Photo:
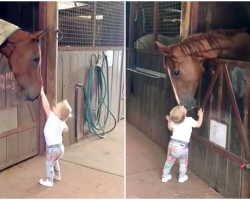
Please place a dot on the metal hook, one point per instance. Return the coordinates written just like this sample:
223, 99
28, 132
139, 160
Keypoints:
97, 58
59, 31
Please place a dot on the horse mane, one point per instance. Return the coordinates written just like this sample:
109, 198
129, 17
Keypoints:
193, 44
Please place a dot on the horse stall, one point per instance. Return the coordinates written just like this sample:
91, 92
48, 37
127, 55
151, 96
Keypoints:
221, 145
20, 138
86, 31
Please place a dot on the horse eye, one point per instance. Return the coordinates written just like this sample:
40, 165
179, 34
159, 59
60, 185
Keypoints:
176, 73
35, 59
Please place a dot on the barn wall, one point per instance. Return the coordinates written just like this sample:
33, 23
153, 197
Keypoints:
73, 68
148, 99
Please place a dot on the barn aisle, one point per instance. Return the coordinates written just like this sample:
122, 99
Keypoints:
92, 169
144, 162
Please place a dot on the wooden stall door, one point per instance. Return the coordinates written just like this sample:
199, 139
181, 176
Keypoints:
18, 119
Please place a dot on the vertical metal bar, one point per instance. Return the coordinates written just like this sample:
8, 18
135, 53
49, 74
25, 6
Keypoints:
155, 25
121, 86
237, 114
76, 111
94, 28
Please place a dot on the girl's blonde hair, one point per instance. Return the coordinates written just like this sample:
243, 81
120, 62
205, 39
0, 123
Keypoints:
65, 110
177, 115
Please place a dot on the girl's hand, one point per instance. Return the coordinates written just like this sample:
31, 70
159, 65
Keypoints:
200, 113
42, 91
168, 118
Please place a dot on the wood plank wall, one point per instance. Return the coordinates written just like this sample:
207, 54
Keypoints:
148, 99
73, 68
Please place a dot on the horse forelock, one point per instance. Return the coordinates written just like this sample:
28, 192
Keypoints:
194, 44
169, 61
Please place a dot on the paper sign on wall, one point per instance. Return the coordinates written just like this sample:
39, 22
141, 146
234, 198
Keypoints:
218, 133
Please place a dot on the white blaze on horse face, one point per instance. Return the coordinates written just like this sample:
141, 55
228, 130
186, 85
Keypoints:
175, 93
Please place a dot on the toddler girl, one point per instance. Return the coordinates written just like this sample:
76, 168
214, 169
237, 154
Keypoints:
178, 146
54, 127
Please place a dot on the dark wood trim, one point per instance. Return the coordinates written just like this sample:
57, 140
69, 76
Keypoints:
230, 63
219, 149
241, 133
155, 25
245, 175
194, 17
90, 48
42, 117
131, 23
19, 129
211, 85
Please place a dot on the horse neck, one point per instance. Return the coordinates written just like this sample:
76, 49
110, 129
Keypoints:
234, 48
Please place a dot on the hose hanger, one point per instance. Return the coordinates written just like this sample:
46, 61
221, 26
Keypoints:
143, 19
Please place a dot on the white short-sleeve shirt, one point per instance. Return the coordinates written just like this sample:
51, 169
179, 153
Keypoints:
183, 131
53, 129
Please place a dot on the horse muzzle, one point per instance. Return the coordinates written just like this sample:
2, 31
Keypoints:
189, 103
30, 99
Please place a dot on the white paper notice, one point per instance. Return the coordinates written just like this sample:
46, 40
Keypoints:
218, 133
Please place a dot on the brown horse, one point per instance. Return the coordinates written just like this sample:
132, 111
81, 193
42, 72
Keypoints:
183, 61
23, 51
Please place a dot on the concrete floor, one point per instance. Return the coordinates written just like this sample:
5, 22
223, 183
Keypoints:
93, 168
144, 163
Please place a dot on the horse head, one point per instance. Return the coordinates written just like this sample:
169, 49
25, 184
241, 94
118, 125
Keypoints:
184, 72
23, 51
183, 61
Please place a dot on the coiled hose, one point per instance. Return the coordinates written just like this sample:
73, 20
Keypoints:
94, 125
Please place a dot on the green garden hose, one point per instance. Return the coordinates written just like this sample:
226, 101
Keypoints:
94, 125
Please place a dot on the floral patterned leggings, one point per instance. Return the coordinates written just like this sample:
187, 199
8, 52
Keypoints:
176, 150
54, 153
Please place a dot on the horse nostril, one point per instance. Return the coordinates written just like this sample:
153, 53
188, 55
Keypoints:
37, 96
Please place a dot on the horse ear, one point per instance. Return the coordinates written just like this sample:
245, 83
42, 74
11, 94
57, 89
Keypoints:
164, 49
38, 34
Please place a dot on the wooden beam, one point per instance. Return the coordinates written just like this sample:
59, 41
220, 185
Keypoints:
185, 19
194, 17
42, 117
48, 19
52, 51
